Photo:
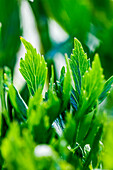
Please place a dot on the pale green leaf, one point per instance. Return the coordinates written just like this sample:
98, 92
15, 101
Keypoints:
79, 64
33, 68
92, 86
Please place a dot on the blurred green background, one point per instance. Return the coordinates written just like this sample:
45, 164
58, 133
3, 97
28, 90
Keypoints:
50, 26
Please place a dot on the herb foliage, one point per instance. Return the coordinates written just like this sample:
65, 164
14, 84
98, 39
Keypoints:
64, 129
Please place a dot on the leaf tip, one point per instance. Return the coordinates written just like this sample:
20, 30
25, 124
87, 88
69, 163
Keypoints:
21, 38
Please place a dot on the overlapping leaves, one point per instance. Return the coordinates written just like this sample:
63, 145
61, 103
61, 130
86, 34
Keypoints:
81, 86
89, 85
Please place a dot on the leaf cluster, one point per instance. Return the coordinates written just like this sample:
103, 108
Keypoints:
62, 129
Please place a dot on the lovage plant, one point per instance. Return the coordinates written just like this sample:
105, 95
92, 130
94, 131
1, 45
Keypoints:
63, 130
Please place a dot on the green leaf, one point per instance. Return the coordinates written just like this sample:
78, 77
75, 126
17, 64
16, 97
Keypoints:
52, 105
93, 154
33, 68
18, 103
107, 87
17, 148
38, 120
11, 29
67, 84
4, 117
52, 84
59, 84
41, 114
34, 107
2, 95
92, 86
62, 75
64, 85
88, 82
70, 129
79, 65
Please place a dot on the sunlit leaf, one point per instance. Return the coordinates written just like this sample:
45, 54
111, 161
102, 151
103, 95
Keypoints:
92, 86
79, 65
33, 68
